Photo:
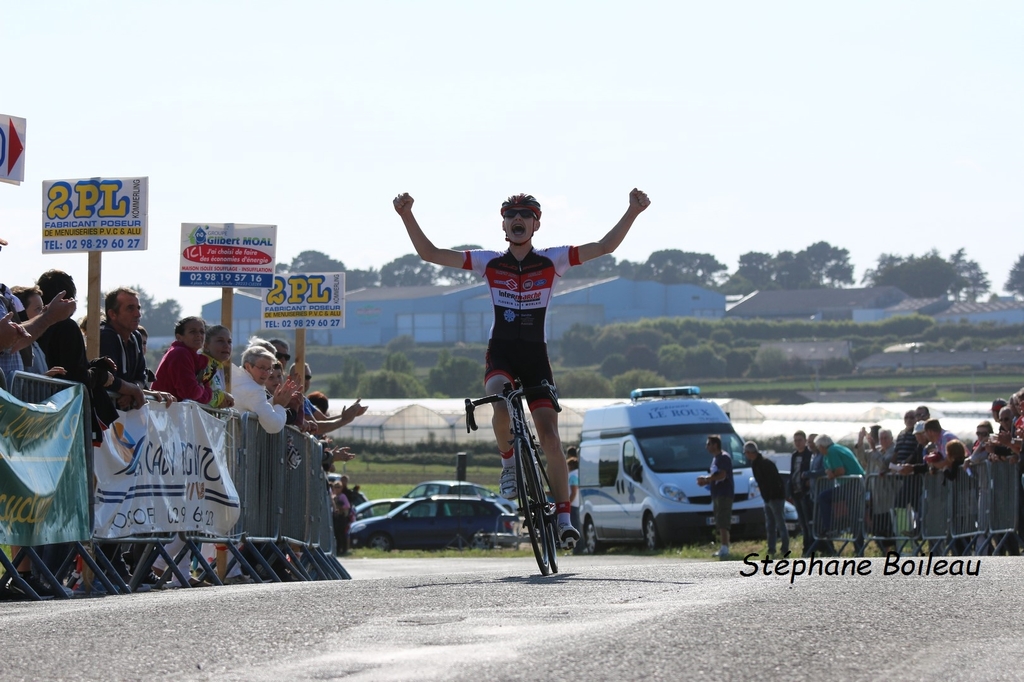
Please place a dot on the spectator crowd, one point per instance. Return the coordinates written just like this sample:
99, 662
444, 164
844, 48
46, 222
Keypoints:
38, 335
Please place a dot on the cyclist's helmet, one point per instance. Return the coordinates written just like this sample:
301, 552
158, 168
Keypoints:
521, 201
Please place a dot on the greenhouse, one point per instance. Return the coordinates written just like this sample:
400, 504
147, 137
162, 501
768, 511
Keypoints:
406, 422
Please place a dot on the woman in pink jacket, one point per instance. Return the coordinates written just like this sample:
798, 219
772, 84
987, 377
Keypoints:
183, 362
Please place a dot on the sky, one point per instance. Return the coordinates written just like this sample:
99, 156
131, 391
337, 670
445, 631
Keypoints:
876, 126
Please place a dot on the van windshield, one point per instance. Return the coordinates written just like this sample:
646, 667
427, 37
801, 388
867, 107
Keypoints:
680, 447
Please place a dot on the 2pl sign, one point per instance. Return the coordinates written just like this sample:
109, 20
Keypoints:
12, 149
305, 301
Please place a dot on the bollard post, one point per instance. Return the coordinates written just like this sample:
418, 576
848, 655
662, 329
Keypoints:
460, 466
222, 562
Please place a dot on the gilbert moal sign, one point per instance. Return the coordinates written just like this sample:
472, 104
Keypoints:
12, 149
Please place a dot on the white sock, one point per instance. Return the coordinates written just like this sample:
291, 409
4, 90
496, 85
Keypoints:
508, 462
564, 519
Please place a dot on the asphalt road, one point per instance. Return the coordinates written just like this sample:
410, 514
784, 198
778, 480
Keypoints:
602, 618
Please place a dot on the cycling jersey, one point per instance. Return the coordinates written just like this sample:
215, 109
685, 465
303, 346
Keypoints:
521, 290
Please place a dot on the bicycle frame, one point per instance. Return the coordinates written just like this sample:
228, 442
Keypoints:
538, 512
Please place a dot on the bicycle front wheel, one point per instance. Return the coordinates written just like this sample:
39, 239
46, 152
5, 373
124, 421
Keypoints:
533, 503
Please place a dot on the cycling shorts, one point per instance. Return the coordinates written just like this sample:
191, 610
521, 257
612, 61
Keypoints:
523, 360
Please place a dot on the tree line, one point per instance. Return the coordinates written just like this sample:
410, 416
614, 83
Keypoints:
820, 265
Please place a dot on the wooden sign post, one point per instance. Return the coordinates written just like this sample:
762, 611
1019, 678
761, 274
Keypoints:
95, 215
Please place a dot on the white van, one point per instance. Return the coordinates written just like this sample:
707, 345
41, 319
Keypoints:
639, 463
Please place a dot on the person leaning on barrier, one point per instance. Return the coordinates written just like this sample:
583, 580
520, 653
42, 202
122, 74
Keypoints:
332, 453
1007, 433
322, 423
839, 461
64, 346
247, 384
121, 341
916, 463
14, 336
33, 357
217, 349
953, 461
987, 447
938, 435
182, 365
773, 492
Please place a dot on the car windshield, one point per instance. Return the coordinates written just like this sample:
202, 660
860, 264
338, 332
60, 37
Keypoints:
429, 490
400, 508
681, 447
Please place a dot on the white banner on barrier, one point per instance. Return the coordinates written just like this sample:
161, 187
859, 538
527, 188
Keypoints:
163, 470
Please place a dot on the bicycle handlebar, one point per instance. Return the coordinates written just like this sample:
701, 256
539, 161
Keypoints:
545, 390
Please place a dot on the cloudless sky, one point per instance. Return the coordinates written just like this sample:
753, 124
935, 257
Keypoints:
876, 126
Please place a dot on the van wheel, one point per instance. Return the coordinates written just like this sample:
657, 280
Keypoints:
651, 540
590, 542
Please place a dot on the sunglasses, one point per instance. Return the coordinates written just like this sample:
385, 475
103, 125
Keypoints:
309, 377
521, 212
283, 357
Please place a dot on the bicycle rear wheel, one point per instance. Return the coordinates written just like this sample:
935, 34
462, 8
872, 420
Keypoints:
533, 503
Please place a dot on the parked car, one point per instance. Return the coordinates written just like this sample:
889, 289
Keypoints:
428, 488
368, 510
437, 522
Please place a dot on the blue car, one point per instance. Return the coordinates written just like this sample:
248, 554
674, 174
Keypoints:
428, 488
437, 522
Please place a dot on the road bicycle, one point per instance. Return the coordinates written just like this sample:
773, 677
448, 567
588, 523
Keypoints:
534, 504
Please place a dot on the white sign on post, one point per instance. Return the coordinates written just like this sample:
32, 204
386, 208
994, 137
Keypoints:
227, 255
313, 301
12, 149
95, 214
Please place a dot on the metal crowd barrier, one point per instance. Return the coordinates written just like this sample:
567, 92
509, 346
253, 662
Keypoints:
35, 388
976, 512
285, 525
1004, 510
839, 506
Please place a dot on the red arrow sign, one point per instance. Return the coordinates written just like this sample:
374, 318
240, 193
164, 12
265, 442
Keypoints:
14, 147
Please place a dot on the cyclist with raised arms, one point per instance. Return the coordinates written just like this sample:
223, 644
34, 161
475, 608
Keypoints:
521, 280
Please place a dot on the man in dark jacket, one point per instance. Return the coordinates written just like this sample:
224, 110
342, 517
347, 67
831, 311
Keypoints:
800, 486
773, 491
